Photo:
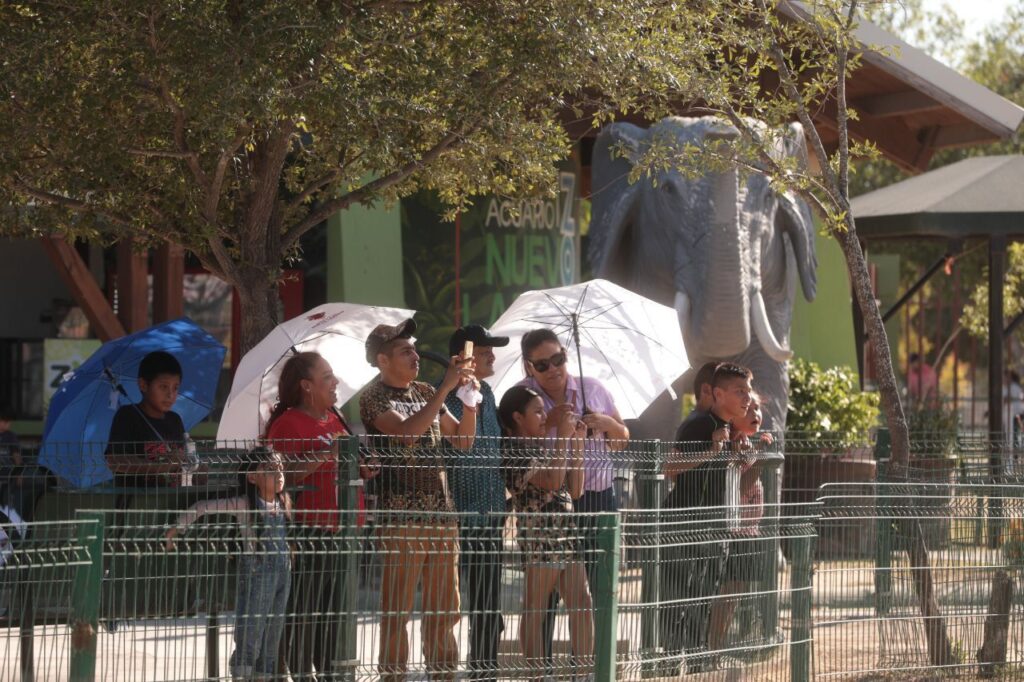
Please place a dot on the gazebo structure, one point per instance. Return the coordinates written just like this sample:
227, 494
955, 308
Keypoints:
979, 197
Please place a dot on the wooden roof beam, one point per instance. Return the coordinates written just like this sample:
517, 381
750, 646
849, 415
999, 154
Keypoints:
83, 287
962, 135
895, 104
896, 141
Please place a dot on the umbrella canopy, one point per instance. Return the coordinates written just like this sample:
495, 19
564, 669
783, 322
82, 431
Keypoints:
82, 409
337, 331
979, 196
629, 343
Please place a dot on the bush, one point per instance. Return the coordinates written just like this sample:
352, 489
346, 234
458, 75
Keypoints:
827, 404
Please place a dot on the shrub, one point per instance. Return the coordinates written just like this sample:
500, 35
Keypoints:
827, 404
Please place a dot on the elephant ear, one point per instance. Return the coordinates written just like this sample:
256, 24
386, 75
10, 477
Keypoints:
612, 196
794, 216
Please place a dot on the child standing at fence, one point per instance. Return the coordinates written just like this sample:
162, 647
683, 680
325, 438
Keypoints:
747, 549
543, 482
264, 571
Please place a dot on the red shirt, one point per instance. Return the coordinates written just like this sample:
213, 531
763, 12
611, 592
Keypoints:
295, 433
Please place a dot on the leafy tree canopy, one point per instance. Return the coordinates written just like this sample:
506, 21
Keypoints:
234, 127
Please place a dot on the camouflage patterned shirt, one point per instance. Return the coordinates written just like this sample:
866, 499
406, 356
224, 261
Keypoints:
413, 477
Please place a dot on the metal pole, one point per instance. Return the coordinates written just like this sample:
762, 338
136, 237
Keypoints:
606, 598
996, 274
85, 598
651, 486
347, 594
800, 587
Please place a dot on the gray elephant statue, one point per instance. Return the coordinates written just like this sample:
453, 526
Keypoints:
724, 249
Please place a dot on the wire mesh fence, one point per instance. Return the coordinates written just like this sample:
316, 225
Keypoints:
852, 573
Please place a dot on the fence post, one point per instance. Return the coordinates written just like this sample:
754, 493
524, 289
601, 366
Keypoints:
883, 550
606, 598
800, 598
768, 603
85, 598
651, 491
347, 594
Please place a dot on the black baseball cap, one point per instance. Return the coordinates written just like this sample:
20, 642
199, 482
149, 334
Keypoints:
478, 335
385, 333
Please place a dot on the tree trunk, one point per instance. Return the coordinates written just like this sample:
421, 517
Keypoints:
874, 328
259, 305
997, 624
939, 649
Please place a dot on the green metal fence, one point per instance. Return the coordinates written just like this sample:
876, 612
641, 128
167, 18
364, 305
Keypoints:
870, 578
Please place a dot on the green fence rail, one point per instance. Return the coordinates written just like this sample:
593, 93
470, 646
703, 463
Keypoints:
863, 578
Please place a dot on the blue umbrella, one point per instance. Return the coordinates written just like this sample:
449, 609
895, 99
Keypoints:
78, 420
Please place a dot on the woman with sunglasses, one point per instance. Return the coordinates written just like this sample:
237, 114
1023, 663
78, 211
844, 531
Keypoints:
547, 373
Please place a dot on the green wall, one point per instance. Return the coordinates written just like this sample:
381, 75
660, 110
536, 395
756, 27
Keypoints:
822, 329
364, 256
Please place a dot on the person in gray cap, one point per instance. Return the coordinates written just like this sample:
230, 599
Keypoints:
479, 492
418, 532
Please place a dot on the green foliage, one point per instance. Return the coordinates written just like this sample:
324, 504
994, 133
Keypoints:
933, 428
827, 404
975, 314
235, 127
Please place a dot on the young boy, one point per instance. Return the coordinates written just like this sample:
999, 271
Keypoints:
746, 546
146, 441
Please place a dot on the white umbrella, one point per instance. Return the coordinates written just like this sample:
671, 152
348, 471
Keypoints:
337, 331
630, 343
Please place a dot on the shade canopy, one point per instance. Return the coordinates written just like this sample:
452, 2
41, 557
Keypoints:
977, 197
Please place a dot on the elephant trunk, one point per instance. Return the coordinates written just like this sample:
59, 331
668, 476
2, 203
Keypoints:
723, 316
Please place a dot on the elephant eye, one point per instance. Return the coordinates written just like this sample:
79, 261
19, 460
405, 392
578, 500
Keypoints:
670, 188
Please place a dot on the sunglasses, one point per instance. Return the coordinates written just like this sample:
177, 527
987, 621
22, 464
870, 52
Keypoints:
556, 360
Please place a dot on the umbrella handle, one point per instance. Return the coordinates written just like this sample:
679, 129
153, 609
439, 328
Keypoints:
579, 359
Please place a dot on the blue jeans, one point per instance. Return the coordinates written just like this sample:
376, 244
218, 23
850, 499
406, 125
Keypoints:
260, 603
480, 564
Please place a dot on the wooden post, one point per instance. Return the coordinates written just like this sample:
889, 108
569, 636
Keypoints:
132, 287
168, 283
83, 287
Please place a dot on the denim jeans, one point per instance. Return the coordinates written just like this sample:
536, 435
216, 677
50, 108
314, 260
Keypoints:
313, 620
480, 565
264, 582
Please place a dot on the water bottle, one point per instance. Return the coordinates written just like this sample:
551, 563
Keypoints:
191, 463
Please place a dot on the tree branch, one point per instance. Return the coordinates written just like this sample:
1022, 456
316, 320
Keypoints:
843, 115
159, 153
793, 93
180, 141
318, 184
365, 192
76, 205
213, 195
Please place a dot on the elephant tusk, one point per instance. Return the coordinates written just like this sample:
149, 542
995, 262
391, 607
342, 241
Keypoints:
763, 330
682, 306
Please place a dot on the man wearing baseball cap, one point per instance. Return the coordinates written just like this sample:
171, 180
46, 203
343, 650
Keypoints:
418, 533
479, 492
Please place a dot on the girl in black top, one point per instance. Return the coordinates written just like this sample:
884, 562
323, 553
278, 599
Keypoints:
543, 482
